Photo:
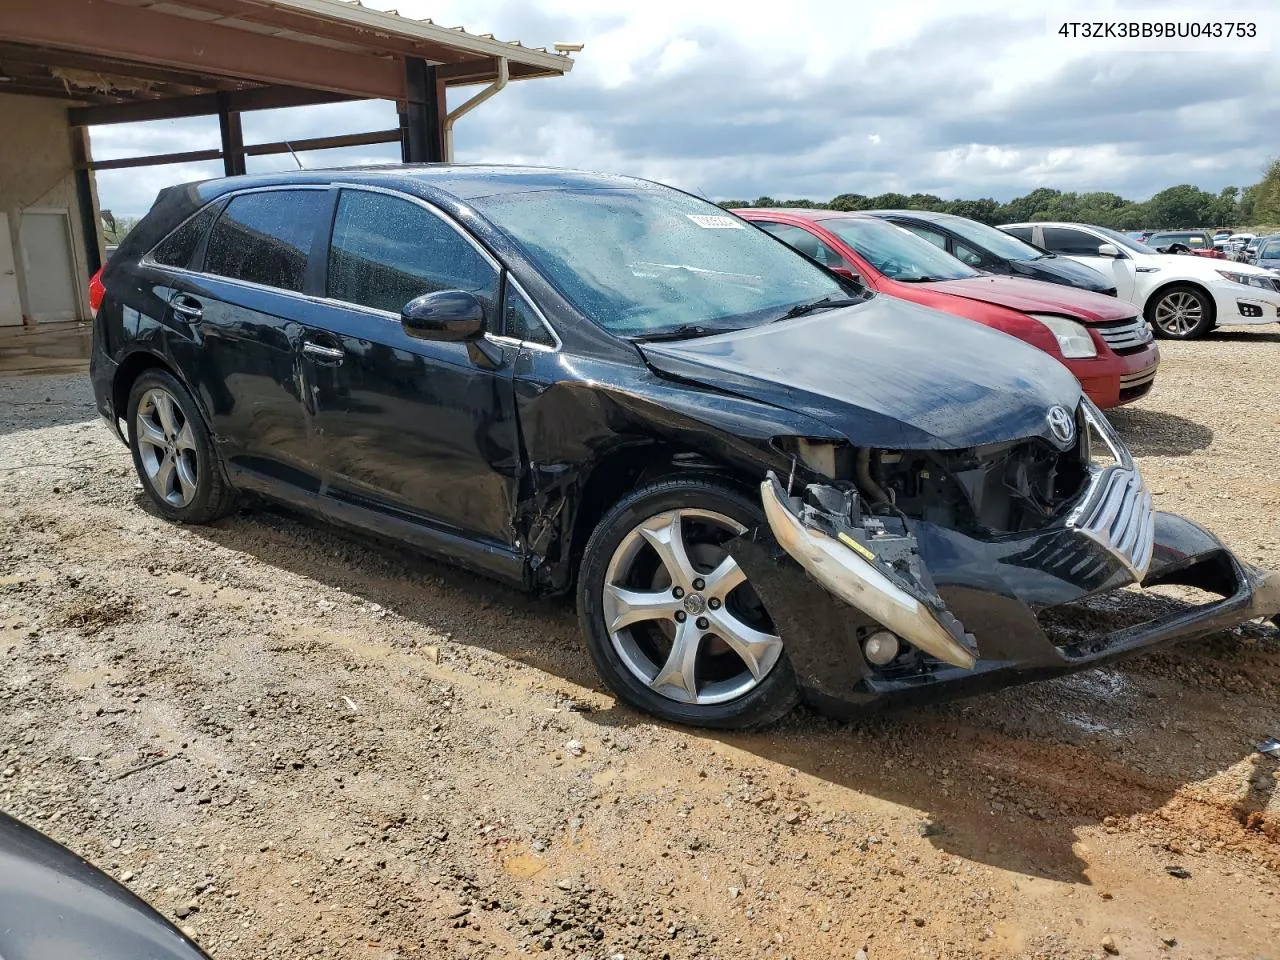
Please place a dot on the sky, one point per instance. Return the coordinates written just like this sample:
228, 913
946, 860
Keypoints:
809, 98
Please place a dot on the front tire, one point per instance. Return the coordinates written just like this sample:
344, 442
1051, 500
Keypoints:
1181, 312
173, 453
670, 619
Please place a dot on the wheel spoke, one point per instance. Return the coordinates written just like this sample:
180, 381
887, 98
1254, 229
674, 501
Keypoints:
757, 649
186, 438
665, 533
149, 433
185, 470
724, 578
678, 678
166, 413
623, 607
164, 477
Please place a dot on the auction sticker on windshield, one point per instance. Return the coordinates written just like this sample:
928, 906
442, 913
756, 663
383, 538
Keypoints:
712, 222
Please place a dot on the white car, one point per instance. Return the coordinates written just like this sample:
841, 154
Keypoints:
1183, 297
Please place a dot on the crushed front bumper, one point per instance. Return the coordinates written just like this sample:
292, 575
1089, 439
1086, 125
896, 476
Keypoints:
1010, 595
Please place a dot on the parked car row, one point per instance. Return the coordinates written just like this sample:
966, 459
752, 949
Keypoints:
765, 474
1182, 297
1102, 340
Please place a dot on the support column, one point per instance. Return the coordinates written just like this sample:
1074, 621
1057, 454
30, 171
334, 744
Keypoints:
422, 122
232, 137
87, 205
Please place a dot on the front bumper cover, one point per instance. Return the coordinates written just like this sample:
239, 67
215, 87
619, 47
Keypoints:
1007, 593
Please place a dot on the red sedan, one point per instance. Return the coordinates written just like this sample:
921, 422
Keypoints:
1102, 340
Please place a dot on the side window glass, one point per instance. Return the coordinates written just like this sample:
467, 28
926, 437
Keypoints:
937, 239
968, 254
387, 250
1070, 242
177, 249
521, 322
1022, 233
800, 239
266, 237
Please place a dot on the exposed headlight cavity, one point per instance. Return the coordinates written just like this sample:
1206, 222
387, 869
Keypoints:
1073, 339
826, 458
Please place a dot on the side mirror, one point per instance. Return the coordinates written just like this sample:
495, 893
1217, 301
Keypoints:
1109, 250
450, 315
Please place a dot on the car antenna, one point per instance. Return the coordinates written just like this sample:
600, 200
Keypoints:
294, 155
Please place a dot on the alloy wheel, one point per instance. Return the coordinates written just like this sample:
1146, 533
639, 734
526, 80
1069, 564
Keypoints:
1179, 313
167, 448
680, 612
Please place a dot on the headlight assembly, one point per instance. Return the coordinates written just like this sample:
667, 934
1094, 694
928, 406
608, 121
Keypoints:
1073, 339
1248, 280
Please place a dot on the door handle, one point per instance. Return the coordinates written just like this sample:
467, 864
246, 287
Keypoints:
186, 307
321, 352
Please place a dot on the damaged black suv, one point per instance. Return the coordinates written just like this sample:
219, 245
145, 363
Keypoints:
763, 482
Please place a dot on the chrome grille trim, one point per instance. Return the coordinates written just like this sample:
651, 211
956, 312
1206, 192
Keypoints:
1130, 380
1127, 335
1116, 510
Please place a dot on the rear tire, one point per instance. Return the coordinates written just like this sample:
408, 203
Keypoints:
694, 646
173, 453
1181, 312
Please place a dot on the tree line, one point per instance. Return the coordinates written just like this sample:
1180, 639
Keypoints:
1183, 205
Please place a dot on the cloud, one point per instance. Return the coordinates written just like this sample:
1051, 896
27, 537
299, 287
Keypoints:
811, 99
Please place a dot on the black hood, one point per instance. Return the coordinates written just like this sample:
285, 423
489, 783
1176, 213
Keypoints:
1053, 269
53, 904
885, 373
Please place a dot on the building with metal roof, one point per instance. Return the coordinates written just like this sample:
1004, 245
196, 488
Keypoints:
68, 65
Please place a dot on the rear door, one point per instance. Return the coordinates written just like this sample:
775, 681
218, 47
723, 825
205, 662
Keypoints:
246, 312
1083, 247
419, 429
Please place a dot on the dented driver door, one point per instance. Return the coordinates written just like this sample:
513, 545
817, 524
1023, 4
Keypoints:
423, 430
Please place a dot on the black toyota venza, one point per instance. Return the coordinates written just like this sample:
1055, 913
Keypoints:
762, 481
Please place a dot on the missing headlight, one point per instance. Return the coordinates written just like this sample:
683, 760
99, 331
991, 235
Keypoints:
832, 459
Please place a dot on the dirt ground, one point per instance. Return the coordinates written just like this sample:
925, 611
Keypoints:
368, 755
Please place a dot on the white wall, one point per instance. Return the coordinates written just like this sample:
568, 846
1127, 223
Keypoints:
36, 170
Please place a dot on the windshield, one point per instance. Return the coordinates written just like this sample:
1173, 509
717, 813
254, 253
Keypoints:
647, 261
1121, 240
895, 252
993, 240
1190, 239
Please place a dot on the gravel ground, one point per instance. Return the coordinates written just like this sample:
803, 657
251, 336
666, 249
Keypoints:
296, 744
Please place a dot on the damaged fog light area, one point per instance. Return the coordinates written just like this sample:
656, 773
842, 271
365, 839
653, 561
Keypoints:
870, 562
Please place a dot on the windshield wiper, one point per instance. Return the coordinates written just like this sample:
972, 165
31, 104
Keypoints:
686, 331
919, 279
826, 303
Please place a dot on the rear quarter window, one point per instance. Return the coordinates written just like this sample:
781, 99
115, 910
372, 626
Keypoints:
177, 249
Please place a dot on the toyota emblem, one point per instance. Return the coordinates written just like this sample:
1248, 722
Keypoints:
1062, 425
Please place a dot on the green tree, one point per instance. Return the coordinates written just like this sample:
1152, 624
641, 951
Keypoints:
985, 210
888, 201
1181, 206
1226, 209
850, 201
1266, 204
1248, 196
